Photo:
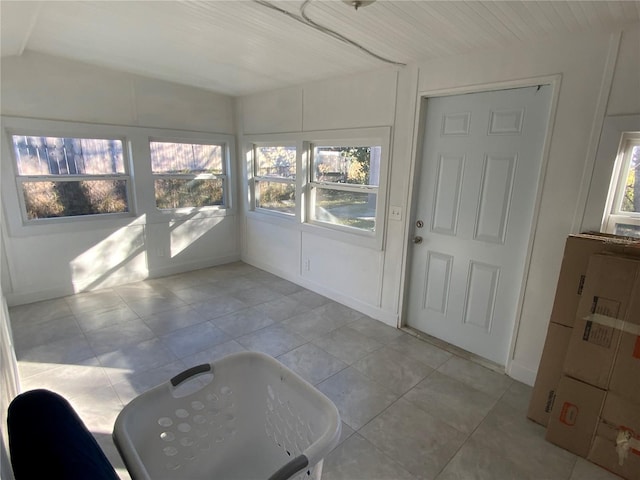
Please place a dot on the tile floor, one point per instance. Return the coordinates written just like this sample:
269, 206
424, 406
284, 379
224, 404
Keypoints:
410, 410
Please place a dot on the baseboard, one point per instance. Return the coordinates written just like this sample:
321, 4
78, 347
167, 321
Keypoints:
521, 373
191, 266
20, 298
372, 311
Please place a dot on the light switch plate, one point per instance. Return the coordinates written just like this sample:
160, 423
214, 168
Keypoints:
395, 213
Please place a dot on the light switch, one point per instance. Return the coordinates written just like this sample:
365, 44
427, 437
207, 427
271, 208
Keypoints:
395, 213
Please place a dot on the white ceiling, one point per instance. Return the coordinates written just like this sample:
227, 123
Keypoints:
239, 47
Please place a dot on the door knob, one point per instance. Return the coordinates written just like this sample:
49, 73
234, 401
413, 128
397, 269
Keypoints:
417, 240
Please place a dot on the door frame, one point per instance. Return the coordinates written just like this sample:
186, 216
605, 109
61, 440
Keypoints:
554, 81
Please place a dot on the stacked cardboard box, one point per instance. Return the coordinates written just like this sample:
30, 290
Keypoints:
577, 252
595, 410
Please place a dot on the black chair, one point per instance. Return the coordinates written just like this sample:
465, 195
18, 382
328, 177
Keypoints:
48, 440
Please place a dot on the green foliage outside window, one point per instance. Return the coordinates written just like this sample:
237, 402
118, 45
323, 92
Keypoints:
631, 197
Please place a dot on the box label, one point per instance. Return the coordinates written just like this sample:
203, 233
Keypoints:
605, 306
569, 414
598, 334
550, 399
581, 285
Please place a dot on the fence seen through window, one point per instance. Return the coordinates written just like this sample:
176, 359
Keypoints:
65, 177
188, 174
275, 178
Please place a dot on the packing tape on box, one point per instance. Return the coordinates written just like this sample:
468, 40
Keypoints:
631, 328
613, 322
624, 443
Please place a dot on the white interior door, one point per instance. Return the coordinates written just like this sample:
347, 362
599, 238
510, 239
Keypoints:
479, 173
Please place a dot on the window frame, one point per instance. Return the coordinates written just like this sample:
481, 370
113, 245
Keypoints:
62, 130
315, 185
21, 180
224, 176
613, 214
142, 204
368, 136
256, 178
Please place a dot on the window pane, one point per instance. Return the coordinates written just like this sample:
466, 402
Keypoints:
631, 196
275, 162
277, 196
353, 209
181, 193
356, 165
66, 198
175, 158
627, 230
67, 156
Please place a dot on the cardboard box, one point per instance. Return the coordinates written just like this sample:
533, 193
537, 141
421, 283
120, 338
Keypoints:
575, 414
616, 446
549, 373
606, 304
577, 251
625, 379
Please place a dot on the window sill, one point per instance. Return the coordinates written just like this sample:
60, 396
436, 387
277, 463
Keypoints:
371, 240
273, 217
189, 213
66, 225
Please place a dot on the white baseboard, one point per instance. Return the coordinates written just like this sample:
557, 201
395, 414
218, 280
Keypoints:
521, 373
389, 318
190, 266
22, 298
83, 285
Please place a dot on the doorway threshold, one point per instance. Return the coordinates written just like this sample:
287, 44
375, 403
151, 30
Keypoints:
472, 357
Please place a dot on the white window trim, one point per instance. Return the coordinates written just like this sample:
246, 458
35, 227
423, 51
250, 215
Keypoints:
227, 198
142, 194
304, 140
22, 179
255, 178
613, 214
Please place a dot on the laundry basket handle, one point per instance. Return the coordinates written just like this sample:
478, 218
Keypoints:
291, 468
190, 372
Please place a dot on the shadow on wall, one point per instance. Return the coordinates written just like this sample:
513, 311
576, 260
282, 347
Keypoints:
185, 233
140, 249
119, 258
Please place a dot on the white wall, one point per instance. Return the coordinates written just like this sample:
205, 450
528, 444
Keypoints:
584, 66
9, 386
343, 270
625, 90
53, 261
623, 115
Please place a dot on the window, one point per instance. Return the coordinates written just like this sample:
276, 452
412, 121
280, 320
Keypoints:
330, 183
623, 212
275, 178
188, 174
344, 185
69, 176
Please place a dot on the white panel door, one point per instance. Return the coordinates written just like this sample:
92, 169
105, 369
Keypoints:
480, 168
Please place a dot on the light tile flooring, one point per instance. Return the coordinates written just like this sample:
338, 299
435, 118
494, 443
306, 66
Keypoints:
410, 410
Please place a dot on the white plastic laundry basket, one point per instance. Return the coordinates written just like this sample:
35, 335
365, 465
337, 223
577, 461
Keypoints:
255, 419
